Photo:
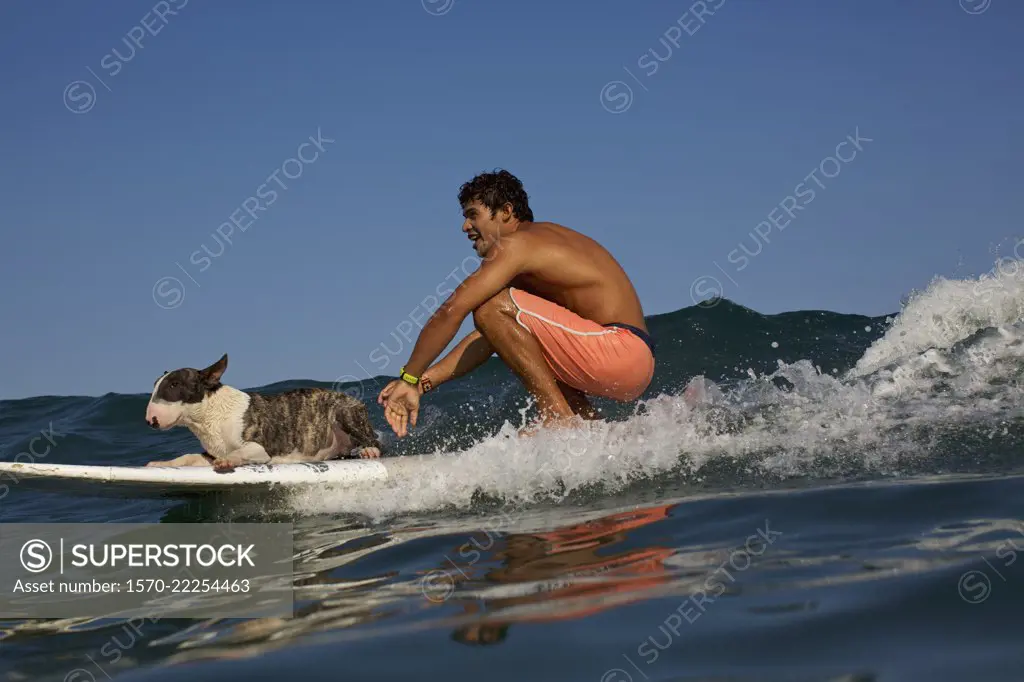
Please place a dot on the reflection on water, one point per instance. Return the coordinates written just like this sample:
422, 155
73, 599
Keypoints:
569, 572
488, 577
349, 579
691, 568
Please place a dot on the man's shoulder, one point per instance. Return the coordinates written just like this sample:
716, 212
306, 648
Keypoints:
526, 241
545, 224
524, 244
543, 230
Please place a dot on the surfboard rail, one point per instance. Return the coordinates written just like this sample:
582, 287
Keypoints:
168, 481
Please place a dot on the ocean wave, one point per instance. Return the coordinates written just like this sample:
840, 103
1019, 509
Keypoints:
945, 374
739, 400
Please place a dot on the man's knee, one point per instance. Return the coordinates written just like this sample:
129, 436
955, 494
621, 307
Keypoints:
493, 309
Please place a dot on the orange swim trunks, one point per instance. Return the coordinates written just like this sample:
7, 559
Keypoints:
611, 361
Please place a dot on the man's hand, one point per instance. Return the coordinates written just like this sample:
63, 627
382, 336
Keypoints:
386, 391
401, 402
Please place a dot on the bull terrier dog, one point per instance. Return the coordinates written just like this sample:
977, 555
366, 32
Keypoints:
238, 427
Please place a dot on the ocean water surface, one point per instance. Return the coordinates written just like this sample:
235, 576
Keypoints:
845, 502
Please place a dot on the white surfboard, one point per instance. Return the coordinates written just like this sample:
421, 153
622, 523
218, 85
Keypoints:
142, 481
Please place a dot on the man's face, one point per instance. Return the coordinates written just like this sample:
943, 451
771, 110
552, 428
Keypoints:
480, 227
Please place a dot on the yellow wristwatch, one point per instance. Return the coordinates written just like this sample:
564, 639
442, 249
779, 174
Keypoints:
408, 378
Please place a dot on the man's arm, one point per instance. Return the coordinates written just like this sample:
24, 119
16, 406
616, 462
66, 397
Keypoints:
493, 275
472, 351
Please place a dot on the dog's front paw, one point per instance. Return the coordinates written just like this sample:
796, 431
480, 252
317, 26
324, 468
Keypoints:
369, 453
223, 466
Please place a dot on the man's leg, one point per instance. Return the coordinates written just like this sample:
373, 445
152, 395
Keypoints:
496, 321
578, 402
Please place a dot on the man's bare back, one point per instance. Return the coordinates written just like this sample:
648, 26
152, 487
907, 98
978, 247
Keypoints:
576, 272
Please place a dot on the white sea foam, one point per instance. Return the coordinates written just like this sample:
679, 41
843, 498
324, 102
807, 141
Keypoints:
931, 369
949, 311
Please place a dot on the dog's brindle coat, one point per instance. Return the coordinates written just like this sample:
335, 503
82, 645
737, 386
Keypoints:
237, 427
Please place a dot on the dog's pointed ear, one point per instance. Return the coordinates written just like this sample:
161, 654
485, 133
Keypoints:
212, 374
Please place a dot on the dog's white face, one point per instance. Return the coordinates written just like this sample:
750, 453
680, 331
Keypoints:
164, 411
175, 393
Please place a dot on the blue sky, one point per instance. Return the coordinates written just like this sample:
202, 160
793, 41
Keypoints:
112, 184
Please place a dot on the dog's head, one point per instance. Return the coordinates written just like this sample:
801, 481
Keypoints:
175, 393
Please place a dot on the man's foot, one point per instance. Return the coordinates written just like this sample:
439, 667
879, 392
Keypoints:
552, 422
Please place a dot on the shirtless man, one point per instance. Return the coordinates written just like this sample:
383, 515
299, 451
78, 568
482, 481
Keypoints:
554, 305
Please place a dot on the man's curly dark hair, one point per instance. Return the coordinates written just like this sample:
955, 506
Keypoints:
496, 189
